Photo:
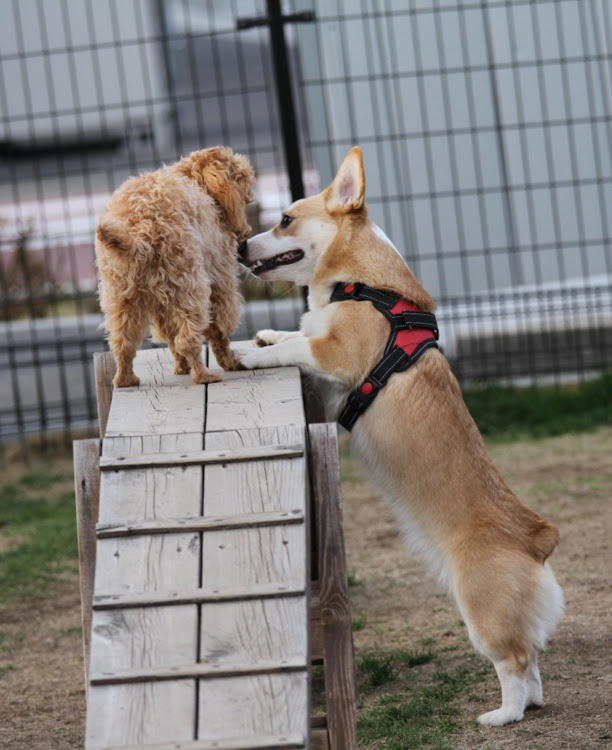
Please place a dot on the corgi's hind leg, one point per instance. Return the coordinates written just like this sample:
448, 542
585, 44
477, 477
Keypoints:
513, 680
534, 696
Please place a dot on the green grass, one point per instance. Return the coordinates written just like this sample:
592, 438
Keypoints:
377, 669
512, 413
37, 517
412, 709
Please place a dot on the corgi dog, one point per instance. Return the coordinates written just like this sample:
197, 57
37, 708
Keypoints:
415, 437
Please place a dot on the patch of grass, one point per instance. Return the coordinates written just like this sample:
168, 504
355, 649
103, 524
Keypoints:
377, 669
37, 511
358, 623
513, 413
417, 714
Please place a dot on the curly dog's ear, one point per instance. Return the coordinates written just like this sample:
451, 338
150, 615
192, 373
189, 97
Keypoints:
227, 177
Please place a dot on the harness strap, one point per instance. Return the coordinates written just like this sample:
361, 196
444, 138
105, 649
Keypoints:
399, 354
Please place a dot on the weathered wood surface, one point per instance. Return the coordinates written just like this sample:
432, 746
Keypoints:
340, 679
87, 495
280, 742
199, 458
200, 620
201, 523
104, 372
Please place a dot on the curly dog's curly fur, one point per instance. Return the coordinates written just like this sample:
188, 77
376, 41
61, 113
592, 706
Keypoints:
166, 251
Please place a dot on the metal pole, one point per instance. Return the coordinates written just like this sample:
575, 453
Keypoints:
284, 95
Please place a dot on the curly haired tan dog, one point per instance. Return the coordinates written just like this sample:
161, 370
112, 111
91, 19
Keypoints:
166, 250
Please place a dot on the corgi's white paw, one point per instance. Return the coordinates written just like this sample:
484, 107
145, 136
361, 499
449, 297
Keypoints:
253, 359
499, 717
267, 337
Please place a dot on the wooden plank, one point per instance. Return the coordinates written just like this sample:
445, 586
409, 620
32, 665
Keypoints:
154, 410
250, 706
314, 405
200, 670
340, 680
155, 368
251, 557
147, 566
248, 558
199, 458
278, 742
319, 739
201, 595
201, 523
150, 712
87, 494
104, 372
316, 629
138, 638
255, 398
255, 630
275, 485
151, 493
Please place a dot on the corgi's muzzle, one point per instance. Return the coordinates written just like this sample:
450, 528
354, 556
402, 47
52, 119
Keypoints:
259, 266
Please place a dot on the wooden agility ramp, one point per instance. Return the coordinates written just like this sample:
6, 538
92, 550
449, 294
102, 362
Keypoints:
212, 594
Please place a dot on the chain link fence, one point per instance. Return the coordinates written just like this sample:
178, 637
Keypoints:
486, 134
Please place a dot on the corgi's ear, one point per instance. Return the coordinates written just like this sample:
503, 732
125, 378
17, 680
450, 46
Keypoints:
347, 191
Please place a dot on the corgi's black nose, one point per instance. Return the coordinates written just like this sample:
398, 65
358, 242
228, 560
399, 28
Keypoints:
242, 249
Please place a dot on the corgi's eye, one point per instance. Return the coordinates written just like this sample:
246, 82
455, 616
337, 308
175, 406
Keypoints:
285, 221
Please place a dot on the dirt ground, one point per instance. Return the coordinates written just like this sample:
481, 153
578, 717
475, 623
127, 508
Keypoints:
567, 479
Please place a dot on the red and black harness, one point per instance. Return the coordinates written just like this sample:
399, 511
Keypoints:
412, 333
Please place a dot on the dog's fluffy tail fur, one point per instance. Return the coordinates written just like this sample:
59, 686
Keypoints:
545, 539
114, 235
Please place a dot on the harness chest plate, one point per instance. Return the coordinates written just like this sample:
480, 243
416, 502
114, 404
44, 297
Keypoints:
412, 333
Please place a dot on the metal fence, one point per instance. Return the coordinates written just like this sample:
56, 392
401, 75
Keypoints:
486, 133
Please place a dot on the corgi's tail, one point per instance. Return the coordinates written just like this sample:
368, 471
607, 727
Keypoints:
544, 539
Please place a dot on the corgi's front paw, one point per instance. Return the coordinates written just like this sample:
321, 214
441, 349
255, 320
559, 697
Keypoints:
266, 337
252, 359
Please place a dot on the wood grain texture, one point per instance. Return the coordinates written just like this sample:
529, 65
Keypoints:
319, 739
155, 368
255, 398
247, 557
155, 410
87, 494
165, 492
199, 458
139, 638
340, 680
255, 705
199, 595
104, 372
276, 485
314, 406
141, 421
201, 601
255, 631
268, 742
147, 564
201, 523
150, 712
199, 670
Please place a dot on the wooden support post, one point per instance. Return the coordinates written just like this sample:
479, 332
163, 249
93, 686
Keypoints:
104, 372
340, 679
87, 492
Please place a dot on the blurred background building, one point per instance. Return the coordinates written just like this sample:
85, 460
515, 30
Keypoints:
486, 131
